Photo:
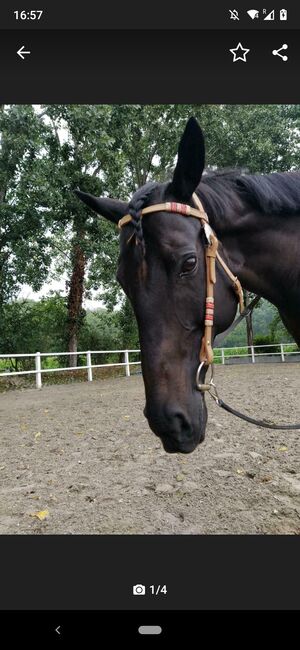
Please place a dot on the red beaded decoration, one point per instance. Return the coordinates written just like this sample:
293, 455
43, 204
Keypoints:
209, 312
181, 208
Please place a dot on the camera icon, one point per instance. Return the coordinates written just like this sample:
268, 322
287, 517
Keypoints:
139, 590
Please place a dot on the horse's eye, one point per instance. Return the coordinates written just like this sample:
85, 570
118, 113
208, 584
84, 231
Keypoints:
188, 265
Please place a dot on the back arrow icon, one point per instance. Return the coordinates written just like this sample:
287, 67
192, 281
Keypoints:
57, 629
21, 52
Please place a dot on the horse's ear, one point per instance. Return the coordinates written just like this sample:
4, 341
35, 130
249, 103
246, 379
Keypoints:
190, 163
111, 209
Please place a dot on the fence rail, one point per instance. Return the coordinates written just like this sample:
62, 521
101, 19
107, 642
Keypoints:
222, 355
233, 353
38, 371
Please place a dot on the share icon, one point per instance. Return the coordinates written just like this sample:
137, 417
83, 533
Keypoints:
284, 57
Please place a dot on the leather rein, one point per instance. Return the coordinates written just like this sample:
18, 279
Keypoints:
211, 255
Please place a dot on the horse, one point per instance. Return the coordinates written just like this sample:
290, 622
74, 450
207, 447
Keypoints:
162, 269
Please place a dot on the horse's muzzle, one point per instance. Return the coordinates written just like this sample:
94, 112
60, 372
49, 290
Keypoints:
177, 432
172, 446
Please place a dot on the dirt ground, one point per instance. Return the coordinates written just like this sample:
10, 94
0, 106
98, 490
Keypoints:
85, 454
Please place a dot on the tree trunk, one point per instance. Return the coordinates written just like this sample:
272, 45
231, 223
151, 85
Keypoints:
249, 323
75, 298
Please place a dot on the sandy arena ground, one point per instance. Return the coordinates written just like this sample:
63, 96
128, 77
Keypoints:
85, 454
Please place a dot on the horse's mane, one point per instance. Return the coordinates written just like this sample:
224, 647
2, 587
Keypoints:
276, 193
225, 192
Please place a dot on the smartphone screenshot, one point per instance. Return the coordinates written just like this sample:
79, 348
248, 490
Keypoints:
149, 318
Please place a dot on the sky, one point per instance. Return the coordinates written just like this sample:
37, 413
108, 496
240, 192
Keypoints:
55, 285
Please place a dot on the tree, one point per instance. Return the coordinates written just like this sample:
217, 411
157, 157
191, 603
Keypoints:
255, 138
80, 147
24, 248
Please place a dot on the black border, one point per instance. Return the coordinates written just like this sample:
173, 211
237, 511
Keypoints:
201, 572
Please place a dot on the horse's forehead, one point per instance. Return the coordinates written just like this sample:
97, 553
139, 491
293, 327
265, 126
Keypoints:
170, 229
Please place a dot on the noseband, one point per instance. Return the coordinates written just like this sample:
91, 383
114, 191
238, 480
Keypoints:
211, 254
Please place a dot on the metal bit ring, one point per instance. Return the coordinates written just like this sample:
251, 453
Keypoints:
204, 387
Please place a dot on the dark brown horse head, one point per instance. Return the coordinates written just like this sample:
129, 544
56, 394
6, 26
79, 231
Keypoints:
162, 271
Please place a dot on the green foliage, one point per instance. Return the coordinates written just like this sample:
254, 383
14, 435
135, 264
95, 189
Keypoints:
266, 321
265, 341
28, 326
278, 330
256, 138
24, 248
128, 325
101, 331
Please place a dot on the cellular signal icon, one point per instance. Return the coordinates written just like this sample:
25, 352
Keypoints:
253, 13
271, 15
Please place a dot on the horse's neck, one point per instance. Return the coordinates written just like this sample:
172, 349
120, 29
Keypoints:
263, 252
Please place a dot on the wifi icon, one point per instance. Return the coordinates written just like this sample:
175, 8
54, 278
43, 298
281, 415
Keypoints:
253, 13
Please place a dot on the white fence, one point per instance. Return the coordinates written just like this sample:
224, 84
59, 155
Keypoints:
89, 366
253, 355
220, 356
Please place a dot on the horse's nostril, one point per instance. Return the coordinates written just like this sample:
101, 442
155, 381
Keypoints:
179, 422
183, 421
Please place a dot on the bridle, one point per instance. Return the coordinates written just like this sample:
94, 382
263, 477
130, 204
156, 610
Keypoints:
211, 255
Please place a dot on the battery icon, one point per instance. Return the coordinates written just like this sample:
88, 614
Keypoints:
283, 14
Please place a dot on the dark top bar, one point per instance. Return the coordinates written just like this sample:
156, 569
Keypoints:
80, 66
191, 14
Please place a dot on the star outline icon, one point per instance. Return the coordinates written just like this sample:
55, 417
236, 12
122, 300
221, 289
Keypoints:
239, 53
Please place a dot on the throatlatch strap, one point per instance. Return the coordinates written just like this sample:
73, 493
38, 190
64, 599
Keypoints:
235, 281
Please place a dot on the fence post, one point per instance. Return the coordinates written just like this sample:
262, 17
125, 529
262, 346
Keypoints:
38, 376
89, 366
282, 352
126, 360
252, 354
223, 356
